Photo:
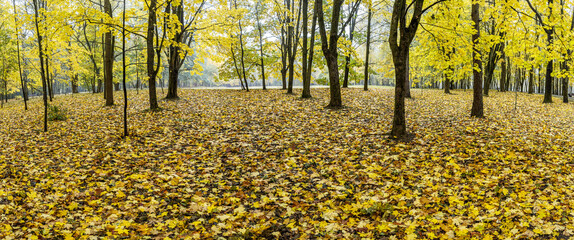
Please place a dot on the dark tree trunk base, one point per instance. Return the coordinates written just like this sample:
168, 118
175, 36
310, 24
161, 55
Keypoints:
407, 137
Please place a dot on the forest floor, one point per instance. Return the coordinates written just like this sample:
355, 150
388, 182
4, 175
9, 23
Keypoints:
263, 164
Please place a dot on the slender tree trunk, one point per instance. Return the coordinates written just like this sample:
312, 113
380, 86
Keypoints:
503, 74
48, 78
242, 59
108, 59
531, 81
237, 70
368, 49
477, 104
407, 85
260, 30
307, 77
447, 80
24, 89
293, 43
305, 10
41, 57
348, 57
124, 70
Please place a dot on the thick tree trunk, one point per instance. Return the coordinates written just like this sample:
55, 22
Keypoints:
368, 51
175, 60
477, 104
329, 47
399, 129
151, 68
75, 83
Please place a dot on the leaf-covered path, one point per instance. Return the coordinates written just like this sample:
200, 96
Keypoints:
225, 163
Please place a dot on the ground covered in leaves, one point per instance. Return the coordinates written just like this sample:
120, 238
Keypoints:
267, 165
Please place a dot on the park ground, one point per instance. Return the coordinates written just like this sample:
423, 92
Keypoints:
267, 165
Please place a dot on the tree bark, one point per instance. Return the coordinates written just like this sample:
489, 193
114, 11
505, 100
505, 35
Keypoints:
368, 50
400, 47
329, 47
305, 10
242, 51
477, 103
307, 78
259, 28
108, 59
175, 60
151, 68
24, 89
348, 57
37, 7
124, 71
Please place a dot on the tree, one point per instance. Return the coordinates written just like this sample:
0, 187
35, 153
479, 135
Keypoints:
292, 39
24, 89
258, 10
329, 46
549, 30
308, 49
108, 58
368, 48
477, 104
124, 70
38, 6
153, 61
183, 37
401, 36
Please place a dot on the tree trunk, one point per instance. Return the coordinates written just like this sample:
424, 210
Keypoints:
108, 59
531, 81
447, 80
407, 85
305, 10
151, 69
259, 28
307, 78
24, 89
175, 60
124, 70
477, 104
75, 83
37, 8
565, 82
503, 74
242, 52
399, 129
329, 47
368, 50
348, 57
